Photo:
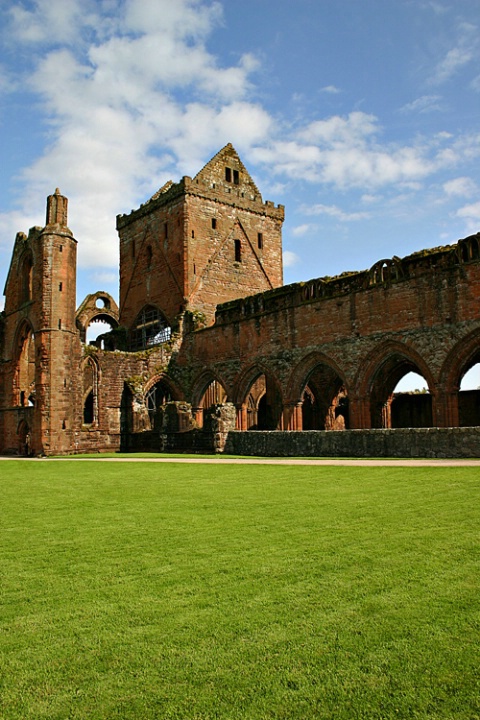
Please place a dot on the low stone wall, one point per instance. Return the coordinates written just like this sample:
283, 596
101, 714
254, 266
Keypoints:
191, 441
410, 442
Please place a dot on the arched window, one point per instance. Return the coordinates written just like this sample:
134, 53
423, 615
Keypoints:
155, 398
151, 328
90, 392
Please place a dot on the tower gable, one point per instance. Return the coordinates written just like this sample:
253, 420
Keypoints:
226, 171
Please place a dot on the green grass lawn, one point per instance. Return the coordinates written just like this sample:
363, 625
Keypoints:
156, 591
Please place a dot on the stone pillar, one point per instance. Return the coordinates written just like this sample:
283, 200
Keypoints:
198, 416
359, 412
242, 417
445, 407
292, 416
220, 420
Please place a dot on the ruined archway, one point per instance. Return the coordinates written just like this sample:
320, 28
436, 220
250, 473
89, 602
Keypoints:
159, 391
391, 409
209, 391
97, 314
259, 401
461, 380
24, 441
317, 396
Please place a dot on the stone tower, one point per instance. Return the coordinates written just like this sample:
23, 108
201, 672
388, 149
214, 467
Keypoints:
41, 342
198, 243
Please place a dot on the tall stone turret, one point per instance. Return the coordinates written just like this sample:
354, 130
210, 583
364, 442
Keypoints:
56, 335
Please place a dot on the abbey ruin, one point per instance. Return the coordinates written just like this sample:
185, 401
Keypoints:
206, 337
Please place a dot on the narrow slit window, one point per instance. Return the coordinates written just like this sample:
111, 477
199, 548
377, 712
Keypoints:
228, 174
60, 287
193, 234
260, 241
165, 228
60, 324
214, 223
238, 251
236, 177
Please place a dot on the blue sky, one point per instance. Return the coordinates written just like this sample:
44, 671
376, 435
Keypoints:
360, 116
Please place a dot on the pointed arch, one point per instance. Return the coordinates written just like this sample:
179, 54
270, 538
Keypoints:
259, 399
380, 373
24, 440
318, 386
159, 390
208, 390
150, 328
464, 405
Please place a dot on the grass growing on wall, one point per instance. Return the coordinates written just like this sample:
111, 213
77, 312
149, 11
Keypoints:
140, 591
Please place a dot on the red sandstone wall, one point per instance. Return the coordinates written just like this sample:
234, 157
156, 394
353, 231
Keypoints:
152, 259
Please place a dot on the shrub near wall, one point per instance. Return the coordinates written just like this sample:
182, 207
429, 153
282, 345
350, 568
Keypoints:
409, 442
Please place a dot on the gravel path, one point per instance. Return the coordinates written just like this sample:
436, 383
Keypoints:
360, 462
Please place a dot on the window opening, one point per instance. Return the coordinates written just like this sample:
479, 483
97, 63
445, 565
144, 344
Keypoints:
228, 174
155, 398
27, 279
60, 286
88, 409
149, 255
236, 177
90, 392
214, 223
238, 251
150, 329
260, 241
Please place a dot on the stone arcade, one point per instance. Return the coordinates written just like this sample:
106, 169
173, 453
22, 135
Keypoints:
206, 336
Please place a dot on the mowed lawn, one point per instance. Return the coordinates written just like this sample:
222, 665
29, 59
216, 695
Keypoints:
146, 590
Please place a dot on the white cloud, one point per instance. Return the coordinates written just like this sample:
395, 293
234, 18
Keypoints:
336, 212
424, 104
368, 198
471, 212
105, 278
347, 152
457, 57
453, 61
119, 125
304, 229
51, 19
353, 129
331, 90
471, 215
461, 186
290, 258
